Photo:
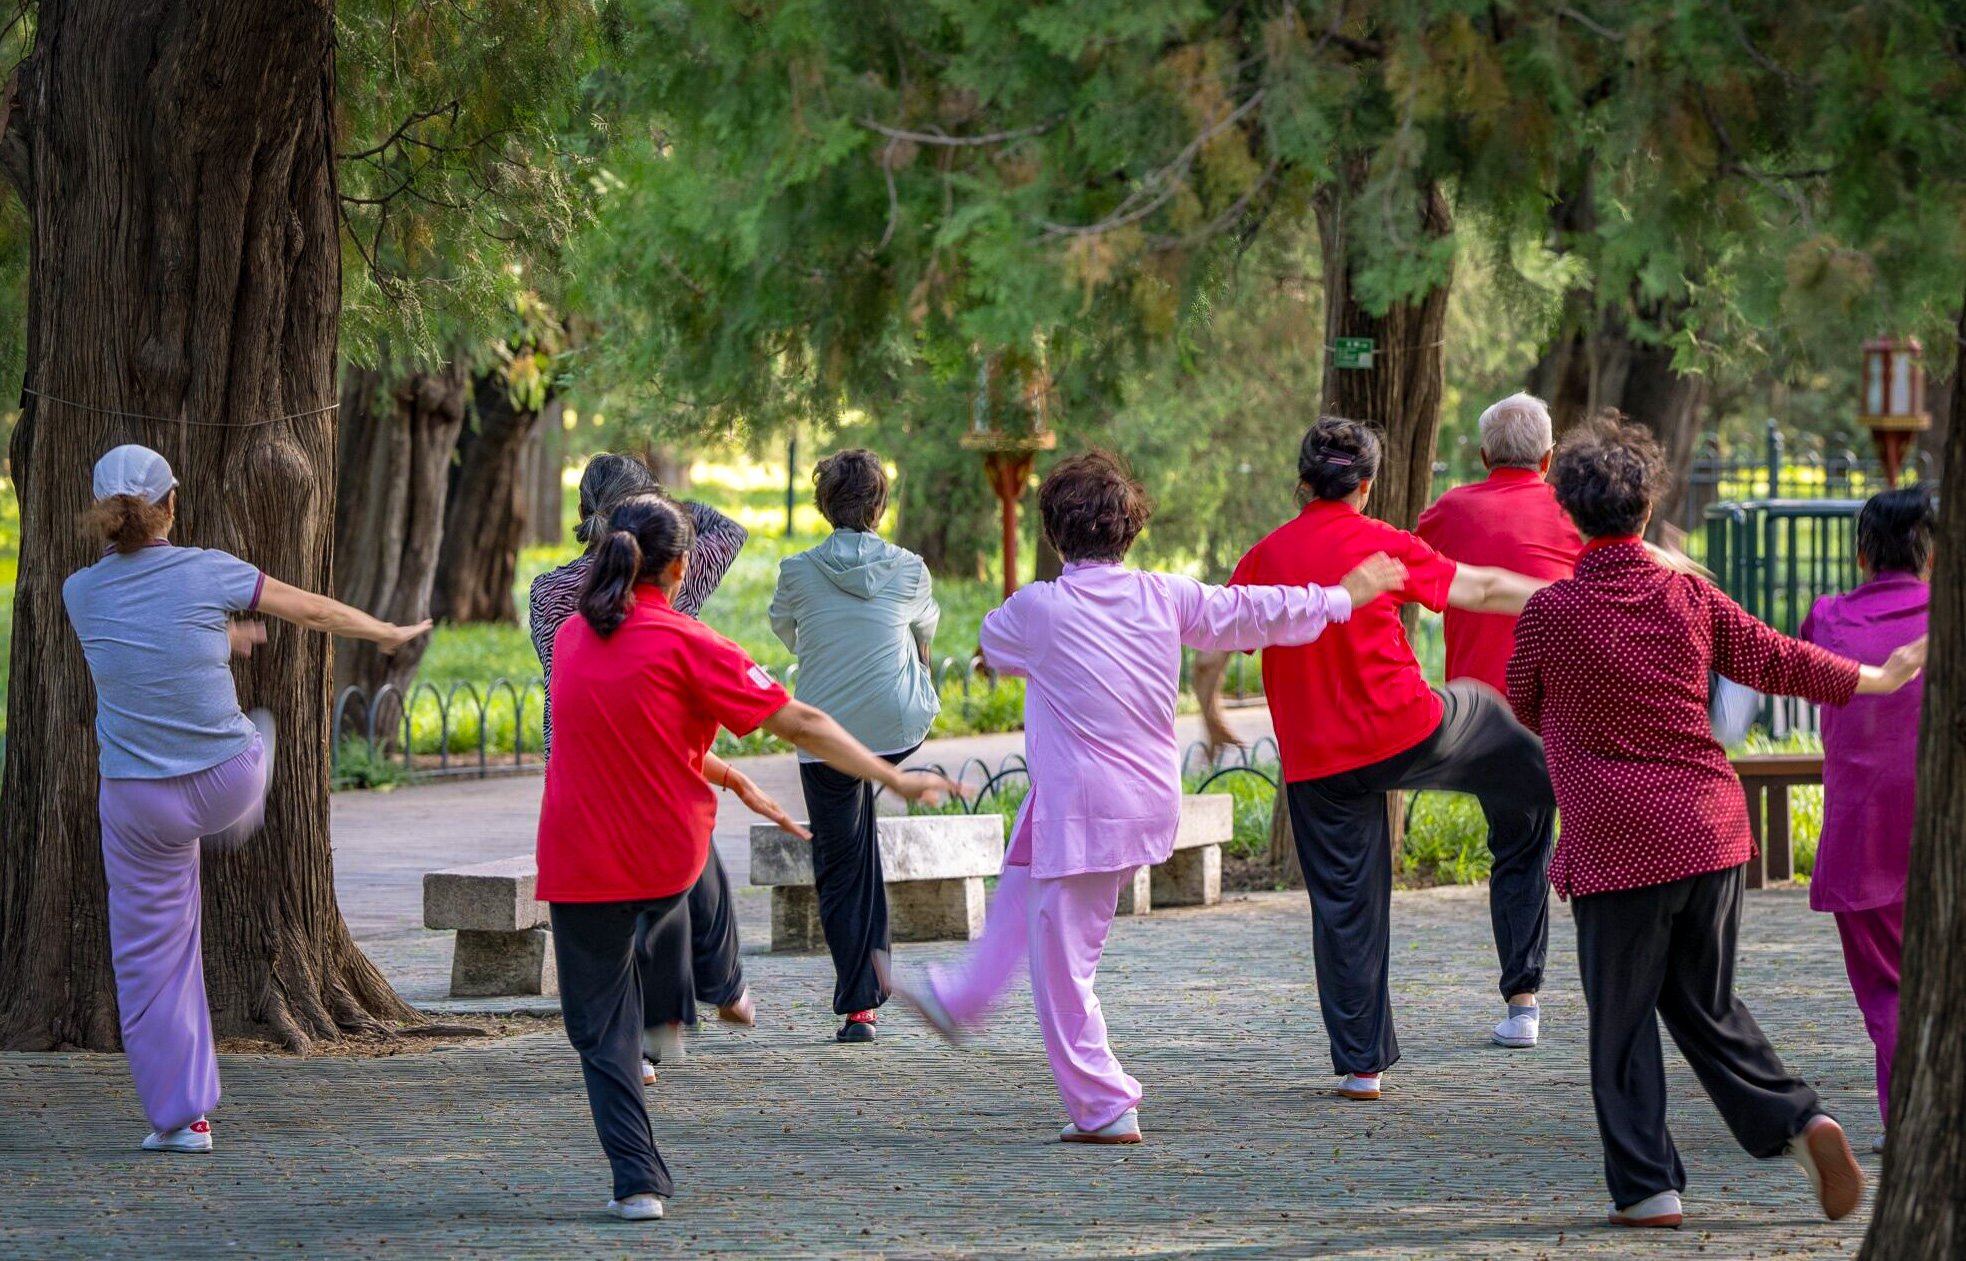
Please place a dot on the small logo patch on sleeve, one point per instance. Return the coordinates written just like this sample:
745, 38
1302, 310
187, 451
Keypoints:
762, 677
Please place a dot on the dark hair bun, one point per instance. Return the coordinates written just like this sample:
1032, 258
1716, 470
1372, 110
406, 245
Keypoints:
1337, 456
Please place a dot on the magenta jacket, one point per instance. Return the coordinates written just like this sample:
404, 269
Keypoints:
1870, 749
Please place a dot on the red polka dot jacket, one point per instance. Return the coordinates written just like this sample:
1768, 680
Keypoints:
1611, 668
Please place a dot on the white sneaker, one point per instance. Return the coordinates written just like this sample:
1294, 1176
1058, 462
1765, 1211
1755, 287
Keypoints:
1877, 1146
1360, 1086
1124, 1130
648, 1073
1519, 1031
663, 1044
1661, 1210
636, 1208
195, 1137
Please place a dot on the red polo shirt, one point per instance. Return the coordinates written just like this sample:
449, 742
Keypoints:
1355, 695
627, 814
1510, 521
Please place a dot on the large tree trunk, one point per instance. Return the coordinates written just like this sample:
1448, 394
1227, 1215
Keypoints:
1403, 389
175, 162
397, 436
541, 473
1921, 1207
486, 518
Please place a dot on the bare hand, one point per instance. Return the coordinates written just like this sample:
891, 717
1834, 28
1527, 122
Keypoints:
401, 635
1375, 576
1904, 664
929, 788
245, 636
757, 801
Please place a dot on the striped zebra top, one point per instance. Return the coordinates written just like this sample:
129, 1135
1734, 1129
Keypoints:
555, 595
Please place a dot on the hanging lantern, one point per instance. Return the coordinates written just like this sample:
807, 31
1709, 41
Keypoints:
1008, 423
1893, 398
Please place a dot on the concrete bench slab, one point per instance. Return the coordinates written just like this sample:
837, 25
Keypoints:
1192, 874
934, 866
503, 946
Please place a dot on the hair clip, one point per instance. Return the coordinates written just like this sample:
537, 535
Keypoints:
1336, 458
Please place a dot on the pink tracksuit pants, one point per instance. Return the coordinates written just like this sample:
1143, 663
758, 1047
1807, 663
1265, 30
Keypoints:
1059, 926
150, 834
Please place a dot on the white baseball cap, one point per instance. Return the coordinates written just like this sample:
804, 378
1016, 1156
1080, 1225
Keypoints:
136, 471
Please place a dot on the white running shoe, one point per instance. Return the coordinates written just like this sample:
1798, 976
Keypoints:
1124, 1130
1360, 1086
195, 1137
663, 1044
1661, 1210
1519, 1031
1877, 1146
648, 1073
636, 1208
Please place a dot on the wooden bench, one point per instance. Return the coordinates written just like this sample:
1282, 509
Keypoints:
503, 946
1766, 779
935, 865
1192, 874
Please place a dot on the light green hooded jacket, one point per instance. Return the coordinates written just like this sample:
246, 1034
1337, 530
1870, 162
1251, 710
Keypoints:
860, 614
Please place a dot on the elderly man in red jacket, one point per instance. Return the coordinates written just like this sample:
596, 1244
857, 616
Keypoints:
1510, 521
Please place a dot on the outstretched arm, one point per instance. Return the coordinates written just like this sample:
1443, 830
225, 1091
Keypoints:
1485, 589
318, 612
722, 774
811, 730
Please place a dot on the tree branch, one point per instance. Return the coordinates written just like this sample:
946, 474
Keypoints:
1164, 182
959, 142
421, 116
1590, 24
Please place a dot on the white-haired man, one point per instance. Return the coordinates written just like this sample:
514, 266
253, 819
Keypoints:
1510, 521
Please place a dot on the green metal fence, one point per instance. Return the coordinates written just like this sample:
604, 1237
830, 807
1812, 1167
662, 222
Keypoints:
1776, 557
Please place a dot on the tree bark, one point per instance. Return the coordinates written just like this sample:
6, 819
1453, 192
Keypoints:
485, 520
175, 163
397, 437
542, 472
1921, 1205
1403, 390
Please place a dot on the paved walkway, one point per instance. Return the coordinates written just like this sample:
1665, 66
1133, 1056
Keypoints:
785, 1144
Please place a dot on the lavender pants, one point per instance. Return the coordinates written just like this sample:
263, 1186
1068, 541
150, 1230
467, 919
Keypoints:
1060, 927
150, 833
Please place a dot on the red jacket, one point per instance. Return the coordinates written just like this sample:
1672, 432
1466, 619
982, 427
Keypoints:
1611, 668
1510, 521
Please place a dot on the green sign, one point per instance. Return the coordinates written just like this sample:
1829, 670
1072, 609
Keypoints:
1352, 352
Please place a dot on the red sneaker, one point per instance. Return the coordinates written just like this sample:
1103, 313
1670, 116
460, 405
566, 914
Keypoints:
859, 1027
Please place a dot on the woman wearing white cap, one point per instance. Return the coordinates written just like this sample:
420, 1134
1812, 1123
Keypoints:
179, 761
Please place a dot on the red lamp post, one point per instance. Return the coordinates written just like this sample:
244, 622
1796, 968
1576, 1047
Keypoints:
1008, 425
1894, 399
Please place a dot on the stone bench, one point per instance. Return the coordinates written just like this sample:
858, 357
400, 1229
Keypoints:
934, 864
503, 945
1192, 874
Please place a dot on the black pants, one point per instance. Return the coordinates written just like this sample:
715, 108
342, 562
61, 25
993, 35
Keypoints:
1669, 949
1344, 842
613, 958
710, 920
847, 877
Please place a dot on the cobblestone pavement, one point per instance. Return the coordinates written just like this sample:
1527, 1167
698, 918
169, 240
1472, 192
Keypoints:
787, 1145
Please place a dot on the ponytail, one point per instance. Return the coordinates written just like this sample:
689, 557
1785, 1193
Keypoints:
126, 522
644, 534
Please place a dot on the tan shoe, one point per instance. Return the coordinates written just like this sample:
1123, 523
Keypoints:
1824, 1153
739, 1011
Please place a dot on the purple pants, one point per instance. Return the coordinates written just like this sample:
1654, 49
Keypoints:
1873, 948
150, 833
1060, 927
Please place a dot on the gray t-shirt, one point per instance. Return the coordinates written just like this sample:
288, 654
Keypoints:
152, 626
